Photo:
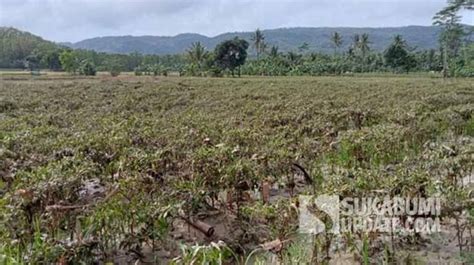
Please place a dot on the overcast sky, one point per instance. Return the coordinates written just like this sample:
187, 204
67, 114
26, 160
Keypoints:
74, 20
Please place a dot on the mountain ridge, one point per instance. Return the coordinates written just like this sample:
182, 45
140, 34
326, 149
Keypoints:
287, 39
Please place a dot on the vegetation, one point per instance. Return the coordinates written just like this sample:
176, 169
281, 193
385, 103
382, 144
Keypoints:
231, 54
87, 68
198, 61
258, 40
113, 66
16, 46
198, 57
114, 170
397, 57
453, 32
454, 56
169, 166
288, 39
336, 40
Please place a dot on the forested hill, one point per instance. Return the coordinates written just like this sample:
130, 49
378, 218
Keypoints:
16, 45
287, 39
20, 49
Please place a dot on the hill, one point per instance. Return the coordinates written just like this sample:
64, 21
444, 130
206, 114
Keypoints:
287, 39
16, 45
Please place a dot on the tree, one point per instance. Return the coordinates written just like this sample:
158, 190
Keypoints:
397, 57
263, 47
465, 63
258, 40
431, 60
113, 66
336, 40
69, 61
459, 4
303, 47
51, 60
364, 44
32, 62
274, 52
134, 60
197, 55
87, 68
293, 58
355, 41
450, 38
399, 41
231, 54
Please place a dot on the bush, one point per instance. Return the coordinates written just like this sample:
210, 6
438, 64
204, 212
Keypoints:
150, 69
214, 72
87, 68
114, 71
138, 71
114, 66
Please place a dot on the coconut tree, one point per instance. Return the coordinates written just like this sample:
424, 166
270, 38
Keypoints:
336, 40
197, 54
258, 40
293, 58
354, 47
274, 51
303, 47
397, 56
356, 40
450, 38
364, 44
399, 41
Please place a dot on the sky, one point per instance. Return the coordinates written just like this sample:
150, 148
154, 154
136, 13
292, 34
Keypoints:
75, 20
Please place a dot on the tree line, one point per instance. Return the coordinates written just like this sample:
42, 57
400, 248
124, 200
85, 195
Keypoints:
455, 57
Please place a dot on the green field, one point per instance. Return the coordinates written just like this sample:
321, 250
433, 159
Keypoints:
114, 169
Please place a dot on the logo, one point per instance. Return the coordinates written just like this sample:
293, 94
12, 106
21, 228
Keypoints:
331, 214
319, 214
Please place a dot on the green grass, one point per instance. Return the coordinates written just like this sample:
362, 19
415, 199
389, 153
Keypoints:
172, 143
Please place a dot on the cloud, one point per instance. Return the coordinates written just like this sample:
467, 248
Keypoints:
74, 20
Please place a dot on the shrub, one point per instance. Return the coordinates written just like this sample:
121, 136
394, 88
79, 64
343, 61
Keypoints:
87, 68
138, 71
114, 69
114, 72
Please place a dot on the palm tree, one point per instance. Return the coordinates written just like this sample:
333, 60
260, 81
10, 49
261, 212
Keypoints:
399, 41
364, 44
356, 40
293, 58
258, 42
450, 39
303, 47
274, 51
354, 47
264, 47
197, 54
336, 41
